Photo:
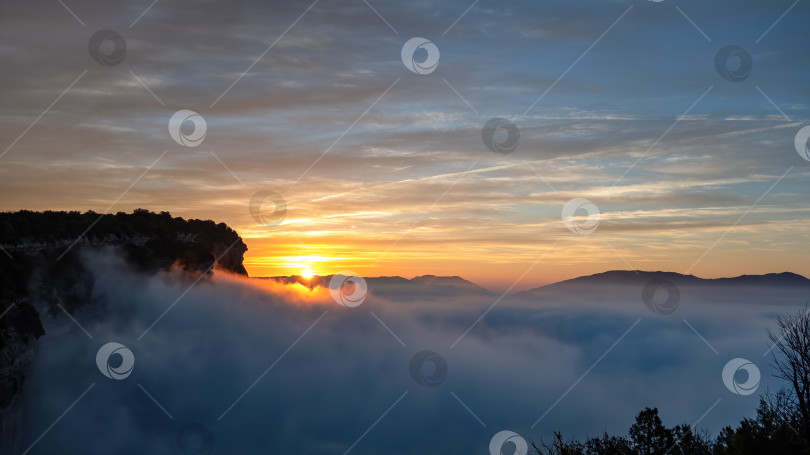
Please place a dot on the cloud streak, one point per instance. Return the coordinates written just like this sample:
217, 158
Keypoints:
319, 76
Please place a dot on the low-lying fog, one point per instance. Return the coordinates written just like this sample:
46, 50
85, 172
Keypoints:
262, 367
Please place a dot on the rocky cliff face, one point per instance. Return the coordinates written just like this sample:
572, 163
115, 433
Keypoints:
42, 273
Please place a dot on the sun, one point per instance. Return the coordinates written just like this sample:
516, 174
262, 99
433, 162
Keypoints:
307, 273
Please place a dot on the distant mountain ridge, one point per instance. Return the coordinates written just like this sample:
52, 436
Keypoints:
426, 280
608, 278
397, 287
640, 278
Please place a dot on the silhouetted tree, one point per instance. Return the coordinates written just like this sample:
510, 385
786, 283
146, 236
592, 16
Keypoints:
768, 433
559, 446
791, 359
687, 442
649, 436
608, 445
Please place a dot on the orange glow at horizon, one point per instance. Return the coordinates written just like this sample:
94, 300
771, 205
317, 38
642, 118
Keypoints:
498, 263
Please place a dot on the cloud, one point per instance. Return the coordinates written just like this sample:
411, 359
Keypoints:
315, 375
384, 170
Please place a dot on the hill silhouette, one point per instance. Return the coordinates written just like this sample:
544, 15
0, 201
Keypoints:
638, 278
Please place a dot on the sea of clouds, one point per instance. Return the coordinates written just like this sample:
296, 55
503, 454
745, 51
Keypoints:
241, 365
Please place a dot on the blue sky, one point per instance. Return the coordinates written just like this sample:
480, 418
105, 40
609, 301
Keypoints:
617, 75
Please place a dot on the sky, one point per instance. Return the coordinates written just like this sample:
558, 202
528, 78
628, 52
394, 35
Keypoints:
384, 171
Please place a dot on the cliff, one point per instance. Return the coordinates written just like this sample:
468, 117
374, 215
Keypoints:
41, 267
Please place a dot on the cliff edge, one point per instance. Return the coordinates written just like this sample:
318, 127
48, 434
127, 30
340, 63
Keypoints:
41, 267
